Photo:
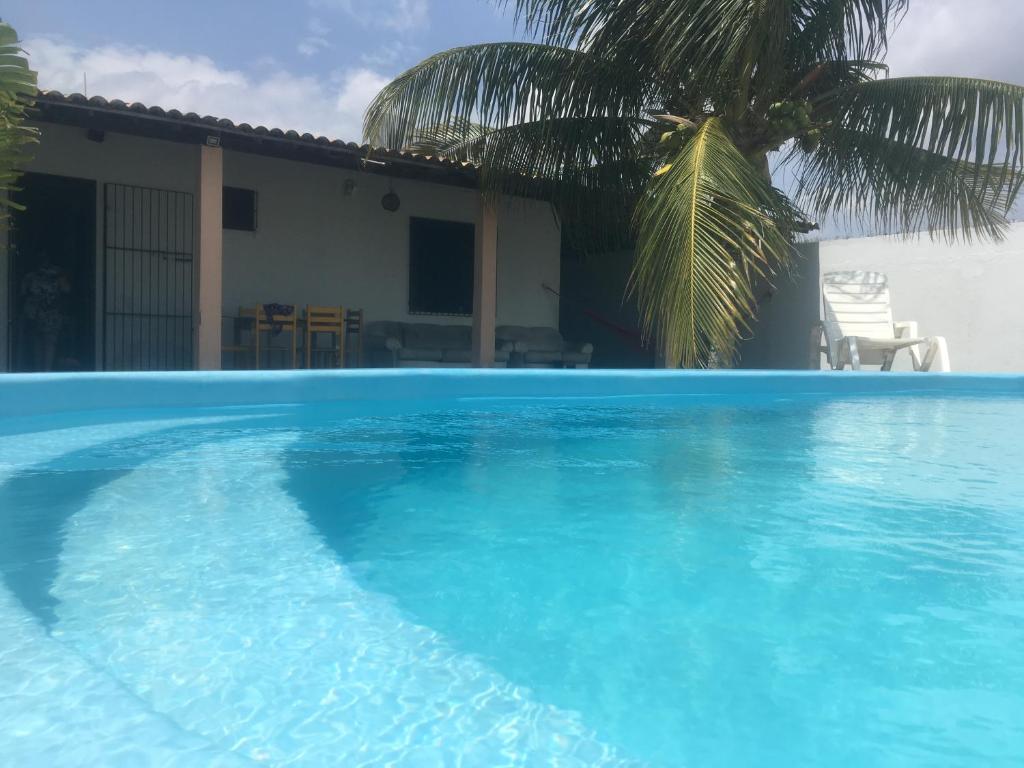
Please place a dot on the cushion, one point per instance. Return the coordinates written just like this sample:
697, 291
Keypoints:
466, 356
457, 355
424, 354
535, 338
433, 335
384, 329
543, 356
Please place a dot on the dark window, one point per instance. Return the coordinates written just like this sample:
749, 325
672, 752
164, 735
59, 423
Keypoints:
240, 209
440, 267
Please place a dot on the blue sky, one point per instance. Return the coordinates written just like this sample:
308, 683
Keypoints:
315, 36
307, 64
315, 64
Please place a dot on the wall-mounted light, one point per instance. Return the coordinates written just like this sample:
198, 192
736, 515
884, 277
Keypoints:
213, 141
390, 202
348, 187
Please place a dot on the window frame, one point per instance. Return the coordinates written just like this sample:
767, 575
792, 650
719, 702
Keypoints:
415, 221
224, 208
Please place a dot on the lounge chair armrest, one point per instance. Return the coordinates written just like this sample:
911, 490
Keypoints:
392, 344
906, 329
505, 346
586, 348
520, 346
936, 356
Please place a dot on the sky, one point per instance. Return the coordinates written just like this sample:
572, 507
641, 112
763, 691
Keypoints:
314, 65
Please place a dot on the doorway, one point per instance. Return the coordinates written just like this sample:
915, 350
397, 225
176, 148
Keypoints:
52, 275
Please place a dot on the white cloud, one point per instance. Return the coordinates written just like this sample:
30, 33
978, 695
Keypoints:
397, 15
358, 89
272, 97
315, 39
952, 37
390, 54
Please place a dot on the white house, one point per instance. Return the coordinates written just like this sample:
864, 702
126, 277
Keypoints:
165, 224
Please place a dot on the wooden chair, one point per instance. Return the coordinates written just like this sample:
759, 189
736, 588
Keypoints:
354, 325
325, 320
238, 325
262, 323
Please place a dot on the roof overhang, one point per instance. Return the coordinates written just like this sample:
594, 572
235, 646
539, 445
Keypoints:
136, 119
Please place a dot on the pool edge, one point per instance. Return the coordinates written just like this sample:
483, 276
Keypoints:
38, 394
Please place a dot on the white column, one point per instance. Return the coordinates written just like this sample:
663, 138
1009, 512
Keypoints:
211, 237
485, 284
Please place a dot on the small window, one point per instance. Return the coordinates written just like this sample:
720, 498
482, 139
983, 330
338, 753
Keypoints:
440, 267
240, 209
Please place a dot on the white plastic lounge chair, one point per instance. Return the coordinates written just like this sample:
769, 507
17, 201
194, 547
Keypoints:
859, 329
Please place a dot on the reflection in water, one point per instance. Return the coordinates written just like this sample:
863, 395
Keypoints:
721, 583
724, 567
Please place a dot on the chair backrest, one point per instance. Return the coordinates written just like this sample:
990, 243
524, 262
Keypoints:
265, 321
354, 324
325, 319
856, 304
354, 320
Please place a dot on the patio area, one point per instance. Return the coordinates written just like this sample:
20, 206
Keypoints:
183, 225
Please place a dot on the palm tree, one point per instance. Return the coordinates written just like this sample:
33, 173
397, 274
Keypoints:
17, 89
667, 112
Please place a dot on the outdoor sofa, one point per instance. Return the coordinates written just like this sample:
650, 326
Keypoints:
542, 347
392, 344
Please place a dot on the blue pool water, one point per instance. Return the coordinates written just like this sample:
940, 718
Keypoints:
664, 581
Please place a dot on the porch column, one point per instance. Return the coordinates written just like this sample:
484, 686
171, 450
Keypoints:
485, 282
211, 236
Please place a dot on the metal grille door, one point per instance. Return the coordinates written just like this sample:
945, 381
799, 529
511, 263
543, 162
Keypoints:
148, 278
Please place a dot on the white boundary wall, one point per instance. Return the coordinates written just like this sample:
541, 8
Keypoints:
971, 293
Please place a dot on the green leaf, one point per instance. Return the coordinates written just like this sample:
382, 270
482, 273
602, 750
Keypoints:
499, 84
900, 188
941, 153
706, 230
17, 91
568, 119
460, 140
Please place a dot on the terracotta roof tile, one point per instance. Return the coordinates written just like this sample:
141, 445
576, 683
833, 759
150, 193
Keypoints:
117, 105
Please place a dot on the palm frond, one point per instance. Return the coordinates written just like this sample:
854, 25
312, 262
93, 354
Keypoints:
592, 170
841, 30
899, 188
461, 140
560, 149
975, 126
17, 90
706, 230
716, 45
499, 84
819, 78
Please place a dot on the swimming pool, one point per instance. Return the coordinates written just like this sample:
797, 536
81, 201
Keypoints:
512, 568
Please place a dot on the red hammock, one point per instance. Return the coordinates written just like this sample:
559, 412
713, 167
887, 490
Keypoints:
630, 334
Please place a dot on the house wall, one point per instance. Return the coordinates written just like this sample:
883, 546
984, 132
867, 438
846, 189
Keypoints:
314, 244
64, 151
779, 337
969, 293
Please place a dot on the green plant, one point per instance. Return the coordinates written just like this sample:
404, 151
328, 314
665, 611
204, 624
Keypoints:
663, 114
17, 90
